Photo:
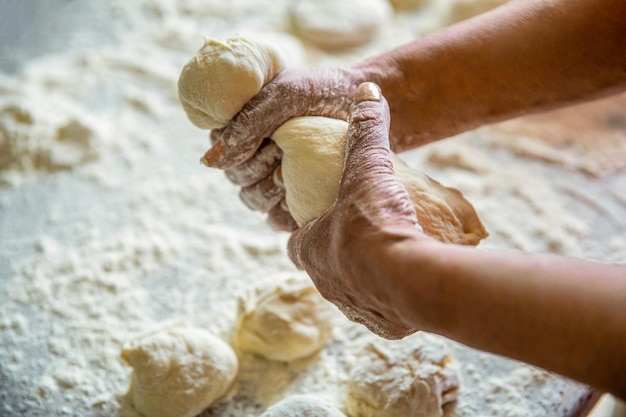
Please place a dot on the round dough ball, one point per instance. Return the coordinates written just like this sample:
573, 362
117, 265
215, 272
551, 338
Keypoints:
286, 322
407, 4
178, 372
223, 76
339, 24
302, 405
412, 377
465, 9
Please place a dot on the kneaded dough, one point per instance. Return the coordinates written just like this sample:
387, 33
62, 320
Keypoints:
407, 4
302, 405
284, 322
178, 372
465, 9
412, 377
335, 24
312, 167
223, 76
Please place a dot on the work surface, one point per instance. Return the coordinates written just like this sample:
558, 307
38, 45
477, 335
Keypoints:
109, 227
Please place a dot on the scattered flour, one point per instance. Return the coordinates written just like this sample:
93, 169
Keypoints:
109, 229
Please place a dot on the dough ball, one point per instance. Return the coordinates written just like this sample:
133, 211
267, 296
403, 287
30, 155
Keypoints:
465, 9
407, 4
339, 24
412, 377
285, 322
178, 372
302, 405
312, 167
223, 76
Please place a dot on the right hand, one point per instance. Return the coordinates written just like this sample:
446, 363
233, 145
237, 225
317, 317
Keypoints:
243, 149
345, 250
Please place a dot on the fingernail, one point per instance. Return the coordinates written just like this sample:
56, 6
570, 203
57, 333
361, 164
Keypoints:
367, 92
214, 156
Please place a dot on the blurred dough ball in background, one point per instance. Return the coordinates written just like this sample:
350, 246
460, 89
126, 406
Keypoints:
302, 405
332, 24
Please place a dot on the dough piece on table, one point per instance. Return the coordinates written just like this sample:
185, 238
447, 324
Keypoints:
465, 9
286, 322
407, 4
223, 77
312, 167
302, 405
412, 377
178, 372
339, 24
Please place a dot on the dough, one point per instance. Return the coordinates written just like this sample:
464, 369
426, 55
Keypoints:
302, 405
465, 9
412, 377
407, 4
285, 322
178, 372
312, 166
339, 24
223, 76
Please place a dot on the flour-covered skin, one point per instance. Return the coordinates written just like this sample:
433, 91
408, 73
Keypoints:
310, 92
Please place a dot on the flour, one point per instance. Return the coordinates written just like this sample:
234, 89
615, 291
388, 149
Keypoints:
115, 230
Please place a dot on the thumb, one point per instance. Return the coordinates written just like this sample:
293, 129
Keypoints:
367, 142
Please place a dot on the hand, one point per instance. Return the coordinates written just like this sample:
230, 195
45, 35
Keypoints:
253, 161
340, 249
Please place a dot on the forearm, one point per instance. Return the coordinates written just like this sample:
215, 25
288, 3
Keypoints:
524, 57
562, 314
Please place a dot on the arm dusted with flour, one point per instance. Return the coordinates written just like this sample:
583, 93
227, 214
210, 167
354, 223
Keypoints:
366, 255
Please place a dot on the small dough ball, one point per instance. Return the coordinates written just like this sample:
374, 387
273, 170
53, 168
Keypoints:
285, 322
412, 377
223, 76
302, 405
178, 372
339, 24
407, 4
465, 9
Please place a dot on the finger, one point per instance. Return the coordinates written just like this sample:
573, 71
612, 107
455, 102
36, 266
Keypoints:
214, 135
260, 166
238, 141
280, 219
368, 168
263, 195
367, 144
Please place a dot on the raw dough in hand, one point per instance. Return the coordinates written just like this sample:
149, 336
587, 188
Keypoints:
179, 372
224, 75
283, 323
312, 166
412, 377
302, 405
339, 24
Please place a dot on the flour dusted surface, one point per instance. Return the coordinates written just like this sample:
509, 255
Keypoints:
122, 232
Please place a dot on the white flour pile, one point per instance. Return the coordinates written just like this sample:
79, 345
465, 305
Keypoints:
110, 228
